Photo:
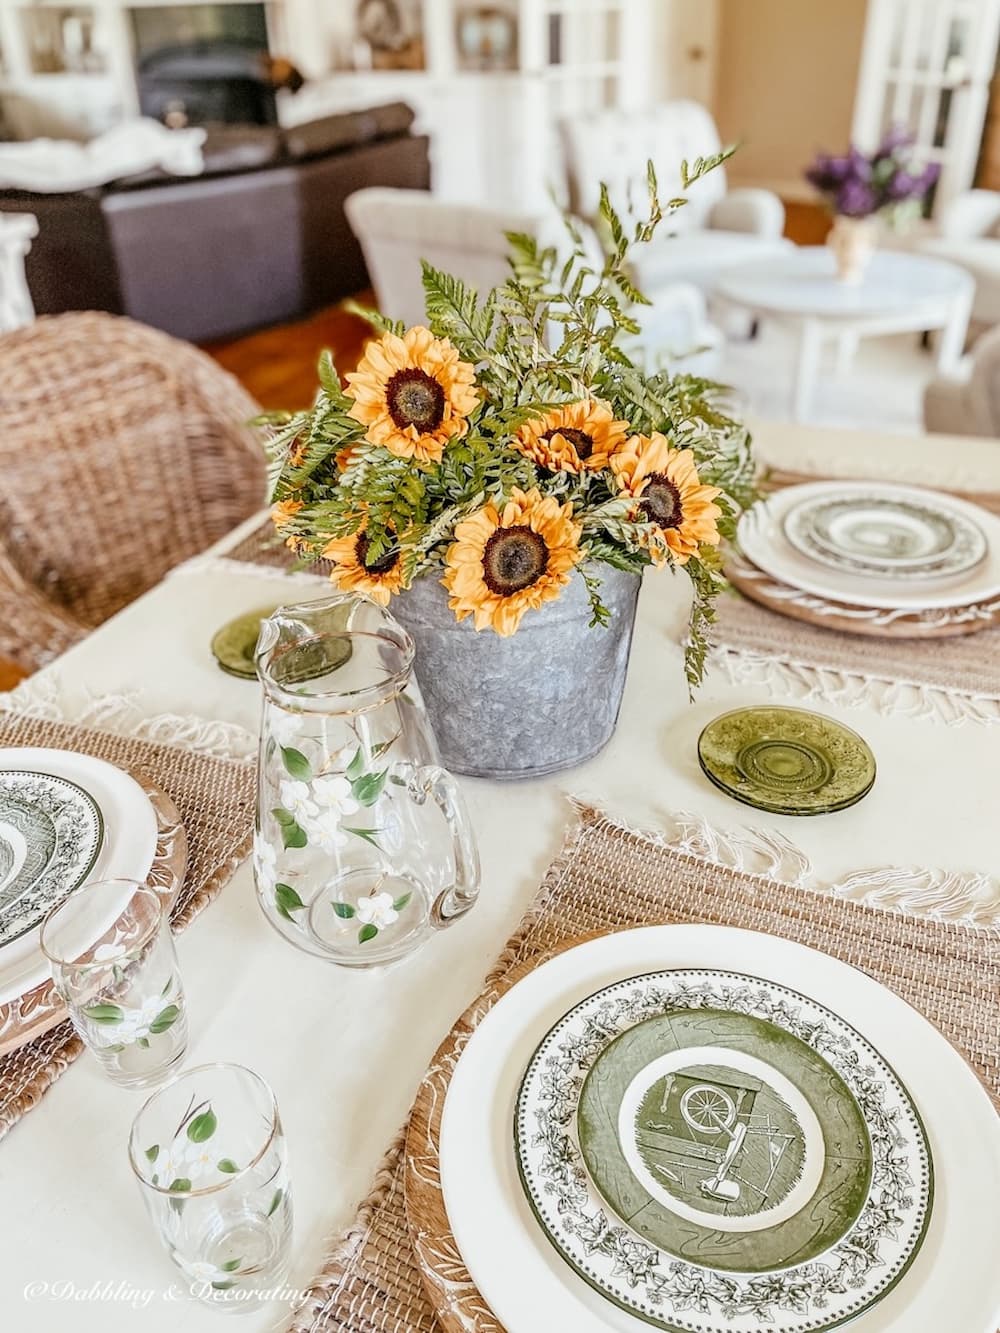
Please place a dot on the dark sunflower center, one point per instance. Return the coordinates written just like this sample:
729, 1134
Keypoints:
513, 559
380, 566
579, 439
661, 501
416, 399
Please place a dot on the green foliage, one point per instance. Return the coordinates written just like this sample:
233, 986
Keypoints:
557, 331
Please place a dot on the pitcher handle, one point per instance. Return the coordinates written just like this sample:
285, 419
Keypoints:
438, 784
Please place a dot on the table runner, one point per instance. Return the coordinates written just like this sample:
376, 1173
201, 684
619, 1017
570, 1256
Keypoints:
216, 800
951, 973
953, 680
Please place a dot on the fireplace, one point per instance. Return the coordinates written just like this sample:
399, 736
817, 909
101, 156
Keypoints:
204, 63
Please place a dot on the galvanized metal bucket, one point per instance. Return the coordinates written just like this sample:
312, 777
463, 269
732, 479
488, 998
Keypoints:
545, 699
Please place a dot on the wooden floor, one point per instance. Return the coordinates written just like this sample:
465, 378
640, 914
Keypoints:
278, 366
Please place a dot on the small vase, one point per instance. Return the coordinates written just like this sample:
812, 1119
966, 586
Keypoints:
852, 241
545, 699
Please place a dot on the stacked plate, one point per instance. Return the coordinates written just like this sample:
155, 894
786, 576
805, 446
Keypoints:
706, 1130
65, 818
873, 557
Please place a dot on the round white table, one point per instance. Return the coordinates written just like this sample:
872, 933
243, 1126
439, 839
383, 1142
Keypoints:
899, 293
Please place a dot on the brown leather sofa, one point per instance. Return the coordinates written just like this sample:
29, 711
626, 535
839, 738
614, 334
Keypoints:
258, 238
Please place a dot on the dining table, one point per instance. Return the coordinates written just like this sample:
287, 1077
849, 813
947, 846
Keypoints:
345, 1050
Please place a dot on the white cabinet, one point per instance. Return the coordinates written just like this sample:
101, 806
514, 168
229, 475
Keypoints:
493, 133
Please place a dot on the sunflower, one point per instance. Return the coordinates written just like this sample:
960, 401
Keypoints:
665, 483
574, 437
413, 394
354, 571
502, 564
282, 515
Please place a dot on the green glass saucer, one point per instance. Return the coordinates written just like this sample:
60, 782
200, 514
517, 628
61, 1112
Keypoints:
234, 645
786, 760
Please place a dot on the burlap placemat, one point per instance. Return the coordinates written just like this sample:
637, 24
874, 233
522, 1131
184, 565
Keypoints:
611, 878
216, 800
953, 679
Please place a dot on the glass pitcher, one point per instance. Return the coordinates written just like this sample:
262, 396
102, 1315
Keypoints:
363, 846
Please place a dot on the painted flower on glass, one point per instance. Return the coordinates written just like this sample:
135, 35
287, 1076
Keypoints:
576, 437
115, 1024
324, 831
200, 1270
665, 483
413, 394
296, 797
378, 911
109, 953
504, 563
355, 569
265, 863
333, 794
286, 728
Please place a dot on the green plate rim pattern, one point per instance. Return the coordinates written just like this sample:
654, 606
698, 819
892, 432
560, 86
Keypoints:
98, 843
654, 1319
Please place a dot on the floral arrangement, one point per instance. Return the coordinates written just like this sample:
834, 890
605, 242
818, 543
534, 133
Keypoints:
512, 445
886, 183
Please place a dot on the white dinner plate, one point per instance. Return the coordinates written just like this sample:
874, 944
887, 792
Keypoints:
954, 1282
762, 537
126, 853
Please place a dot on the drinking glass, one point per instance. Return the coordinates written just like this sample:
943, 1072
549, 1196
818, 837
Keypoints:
112, 960
209, 1154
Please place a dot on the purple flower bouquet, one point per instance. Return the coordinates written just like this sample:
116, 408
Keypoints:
886, 183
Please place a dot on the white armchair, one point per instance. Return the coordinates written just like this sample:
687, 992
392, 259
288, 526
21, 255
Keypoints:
968, 234
715, 229
399, 228
968, 403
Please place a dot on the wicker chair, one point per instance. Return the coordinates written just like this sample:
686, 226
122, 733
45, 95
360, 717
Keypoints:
122, 452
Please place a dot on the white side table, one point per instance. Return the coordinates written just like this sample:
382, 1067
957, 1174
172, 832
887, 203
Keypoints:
898, 294
17, 230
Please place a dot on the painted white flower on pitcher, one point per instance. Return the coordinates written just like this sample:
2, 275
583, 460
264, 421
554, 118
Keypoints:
286, 728
325, 832
265, 863
297, 798
378, 910
333, 795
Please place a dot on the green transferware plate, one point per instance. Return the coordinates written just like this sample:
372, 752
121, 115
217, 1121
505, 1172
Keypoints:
51, 832
751, 1155
717, 1153
786, 760
234, 645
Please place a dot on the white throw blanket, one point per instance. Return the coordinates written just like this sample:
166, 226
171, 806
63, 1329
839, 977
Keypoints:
56, 166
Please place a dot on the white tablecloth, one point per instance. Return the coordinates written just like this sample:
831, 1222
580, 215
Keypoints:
344, 1052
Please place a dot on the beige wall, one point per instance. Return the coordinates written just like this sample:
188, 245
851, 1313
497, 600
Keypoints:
785, 77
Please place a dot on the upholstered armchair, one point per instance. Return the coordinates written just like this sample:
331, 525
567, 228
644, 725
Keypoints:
968, 403
715, 229
122, 452
968, 234
399, 228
